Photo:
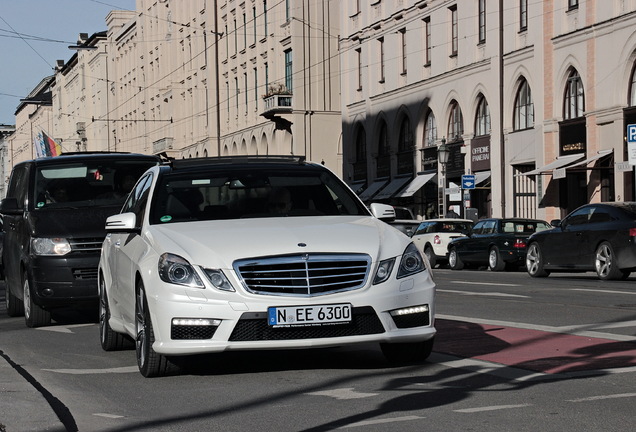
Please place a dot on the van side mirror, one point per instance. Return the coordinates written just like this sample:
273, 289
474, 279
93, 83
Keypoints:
383, 212
9, 206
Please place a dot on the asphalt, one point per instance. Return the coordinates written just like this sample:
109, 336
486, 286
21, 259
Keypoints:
25, 406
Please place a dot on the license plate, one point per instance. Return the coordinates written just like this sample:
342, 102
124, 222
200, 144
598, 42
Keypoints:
315, 315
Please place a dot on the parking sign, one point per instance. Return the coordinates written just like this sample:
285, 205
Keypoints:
631, 144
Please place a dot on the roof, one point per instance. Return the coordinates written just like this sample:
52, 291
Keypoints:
82, 156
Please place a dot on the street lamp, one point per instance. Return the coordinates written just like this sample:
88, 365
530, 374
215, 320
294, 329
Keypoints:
443, 153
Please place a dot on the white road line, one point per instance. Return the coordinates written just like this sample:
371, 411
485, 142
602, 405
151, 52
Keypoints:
382, 421
491, 408
604, 291
124, 369
343, 394
489, 294
509, 373
485, 283
63, 329
596, 398
108, 415
582, 330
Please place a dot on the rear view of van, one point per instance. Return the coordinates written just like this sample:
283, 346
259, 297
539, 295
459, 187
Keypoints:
54, 218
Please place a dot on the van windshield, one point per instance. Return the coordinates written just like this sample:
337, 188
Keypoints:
90, 183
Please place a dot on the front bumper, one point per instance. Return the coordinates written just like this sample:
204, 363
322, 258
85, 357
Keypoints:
244, 326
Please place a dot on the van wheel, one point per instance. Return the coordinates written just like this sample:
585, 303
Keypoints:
15, 307
34, 315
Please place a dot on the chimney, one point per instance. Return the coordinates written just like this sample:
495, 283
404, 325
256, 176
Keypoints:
83, 37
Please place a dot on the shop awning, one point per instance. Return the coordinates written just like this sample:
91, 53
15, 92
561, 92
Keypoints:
600, 154
481, 177
372, 189
356, 186
560, 162
395, 185
416, 184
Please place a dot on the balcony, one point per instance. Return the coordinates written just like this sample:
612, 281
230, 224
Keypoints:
277, 104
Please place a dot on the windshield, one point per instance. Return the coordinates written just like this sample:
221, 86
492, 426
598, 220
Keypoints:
83, 184
255, 193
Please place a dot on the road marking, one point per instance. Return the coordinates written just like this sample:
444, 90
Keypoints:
596, 398
604, 291
485, 283
124, 369
490, 368
491, 408
343, 394
382, 421
490, 294
108, 415
63, 329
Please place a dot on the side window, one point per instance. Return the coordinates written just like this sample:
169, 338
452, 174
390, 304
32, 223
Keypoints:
478, 228
489, 227
422, 228
579, 217
19, 185
599, 215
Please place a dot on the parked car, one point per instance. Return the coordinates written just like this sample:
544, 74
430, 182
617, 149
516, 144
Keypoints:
54, 216
218, 254
494, 242
595, 237
432, 237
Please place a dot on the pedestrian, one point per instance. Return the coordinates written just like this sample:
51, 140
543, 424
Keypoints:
452, 213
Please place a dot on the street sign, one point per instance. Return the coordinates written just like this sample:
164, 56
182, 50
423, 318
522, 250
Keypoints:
631, 144
468, 181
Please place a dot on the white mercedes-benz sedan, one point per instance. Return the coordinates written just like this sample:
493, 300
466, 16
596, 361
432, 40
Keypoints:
250, 253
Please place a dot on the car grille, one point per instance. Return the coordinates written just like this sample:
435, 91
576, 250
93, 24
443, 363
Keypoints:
85, 273
86, 245
304, 275
252, 326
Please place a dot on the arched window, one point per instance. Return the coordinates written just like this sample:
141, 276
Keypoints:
524, 108
383, 164
430, 130
383, 141
632, 88
405, 141
361, 144
574, 102
482, 122
455, 123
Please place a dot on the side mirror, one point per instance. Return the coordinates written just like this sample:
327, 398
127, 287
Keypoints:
555, 223
383, 212
123, 222
9, 206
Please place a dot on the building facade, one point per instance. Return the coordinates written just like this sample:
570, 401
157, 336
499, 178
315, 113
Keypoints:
532, 98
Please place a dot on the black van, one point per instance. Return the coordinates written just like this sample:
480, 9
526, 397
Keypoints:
54, 217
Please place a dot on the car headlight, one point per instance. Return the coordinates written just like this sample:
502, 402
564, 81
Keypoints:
412, 262
218, 279
176, 270
50, 246
384, 271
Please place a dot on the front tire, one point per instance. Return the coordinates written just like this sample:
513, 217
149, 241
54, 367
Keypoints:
15, 307
150, 363
412, 352
495, 263
454, 261
534, 261
34, 315
109, 339
605, 263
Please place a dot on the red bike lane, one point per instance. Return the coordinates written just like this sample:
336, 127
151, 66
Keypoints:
535, 350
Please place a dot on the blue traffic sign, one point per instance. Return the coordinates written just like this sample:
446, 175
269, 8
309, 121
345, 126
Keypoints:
631, 133
468, 181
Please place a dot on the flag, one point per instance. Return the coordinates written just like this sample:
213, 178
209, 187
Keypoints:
52, 148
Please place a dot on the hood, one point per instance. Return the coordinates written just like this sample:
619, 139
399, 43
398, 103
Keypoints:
219, 243
71, 222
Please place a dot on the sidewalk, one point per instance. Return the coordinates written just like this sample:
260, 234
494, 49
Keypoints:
22, 407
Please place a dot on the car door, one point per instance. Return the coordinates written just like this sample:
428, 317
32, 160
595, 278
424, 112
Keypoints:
129, 247
481, 243
597, 229
469, 245
563, 247
16, 229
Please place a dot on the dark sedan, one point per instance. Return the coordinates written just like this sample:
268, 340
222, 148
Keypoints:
595, 237
495, 242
